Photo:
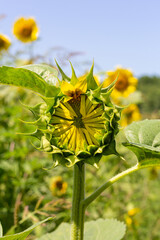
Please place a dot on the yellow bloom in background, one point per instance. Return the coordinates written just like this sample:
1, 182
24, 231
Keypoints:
4, 42
57, 186
130, 114
26, 29
125, 85
129, 217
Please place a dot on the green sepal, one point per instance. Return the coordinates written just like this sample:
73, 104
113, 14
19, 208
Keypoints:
111, 86
91, 83
94, 160
74, 78
110, 149
37, 110
37, 134
64, 76
83, 154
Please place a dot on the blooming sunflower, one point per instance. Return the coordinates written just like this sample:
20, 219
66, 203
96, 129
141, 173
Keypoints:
125, 85
130, 114
26, 29
4, 42
57, 186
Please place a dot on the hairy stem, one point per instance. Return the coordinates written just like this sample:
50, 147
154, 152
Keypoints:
77, 226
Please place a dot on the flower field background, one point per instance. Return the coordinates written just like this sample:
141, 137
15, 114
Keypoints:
30, 190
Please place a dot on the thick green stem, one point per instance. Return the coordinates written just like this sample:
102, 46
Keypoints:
77, 226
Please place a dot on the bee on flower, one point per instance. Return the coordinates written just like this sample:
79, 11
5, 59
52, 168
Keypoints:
57, 186
125, 85
26, 29
4, 43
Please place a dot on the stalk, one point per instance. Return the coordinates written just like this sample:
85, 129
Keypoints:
77, 224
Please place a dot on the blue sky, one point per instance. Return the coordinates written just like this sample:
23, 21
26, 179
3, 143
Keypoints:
115, 32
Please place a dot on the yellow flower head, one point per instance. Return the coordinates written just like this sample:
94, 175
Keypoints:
26, 29
4, 42
78, 122
130, 114
57, 186
125, 84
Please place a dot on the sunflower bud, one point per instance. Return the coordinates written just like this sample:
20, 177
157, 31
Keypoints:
79, 123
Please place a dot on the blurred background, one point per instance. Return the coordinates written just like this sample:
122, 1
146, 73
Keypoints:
123, 37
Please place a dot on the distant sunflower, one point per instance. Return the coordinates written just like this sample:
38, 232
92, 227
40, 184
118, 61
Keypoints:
4, 42
26, 29
57, 186
125, 85
130, 114
129, 217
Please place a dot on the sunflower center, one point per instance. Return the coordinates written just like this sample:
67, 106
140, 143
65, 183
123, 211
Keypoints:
26, 31
122, 84
2, 43
59, 185
78, 123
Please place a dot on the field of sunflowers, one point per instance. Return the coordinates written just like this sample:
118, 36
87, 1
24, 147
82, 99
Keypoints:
31, 189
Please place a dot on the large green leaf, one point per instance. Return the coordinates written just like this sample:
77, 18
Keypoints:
28, 79
108, 229
48, 73
144, 141
24, 234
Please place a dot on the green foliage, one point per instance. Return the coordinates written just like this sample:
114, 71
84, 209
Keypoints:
108, 229
24, 234
1, 230
29, 79
144, 141
150, 88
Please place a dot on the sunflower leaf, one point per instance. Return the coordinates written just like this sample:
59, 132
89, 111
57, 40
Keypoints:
23, 235
21, 77
108, 229
49, 74
144, 141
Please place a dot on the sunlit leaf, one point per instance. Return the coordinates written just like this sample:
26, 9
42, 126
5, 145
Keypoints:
28, 79
48, 73
144, 141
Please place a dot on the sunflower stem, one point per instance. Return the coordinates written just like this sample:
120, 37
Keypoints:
77, 225
107, 184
